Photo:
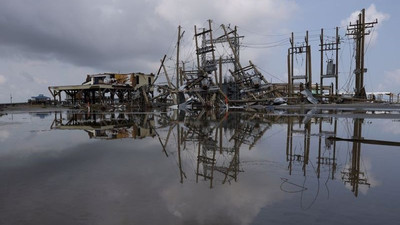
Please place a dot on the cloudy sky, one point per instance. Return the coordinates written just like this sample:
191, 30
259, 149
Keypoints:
52, 42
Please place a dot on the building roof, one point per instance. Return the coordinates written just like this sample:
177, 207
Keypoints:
40, 97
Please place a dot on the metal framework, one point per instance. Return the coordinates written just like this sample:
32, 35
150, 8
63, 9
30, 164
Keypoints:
303, 48
332, 69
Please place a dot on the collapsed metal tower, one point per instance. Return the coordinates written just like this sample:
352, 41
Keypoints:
205, 84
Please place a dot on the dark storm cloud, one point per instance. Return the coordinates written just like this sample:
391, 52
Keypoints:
110, 35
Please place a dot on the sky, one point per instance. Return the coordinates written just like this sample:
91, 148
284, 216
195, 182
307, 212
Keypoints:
51, 42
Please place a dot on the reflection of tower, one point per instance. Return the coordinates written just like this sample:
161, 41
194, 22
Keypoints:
232, 171
249, 131
181, 172
291, 156
323, 160
353, 175
213, 157
206, 157
210, 143
216, 143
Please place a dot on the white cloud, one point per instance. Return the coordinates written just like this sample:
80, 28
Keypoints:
371, 14
390, 81
4, 135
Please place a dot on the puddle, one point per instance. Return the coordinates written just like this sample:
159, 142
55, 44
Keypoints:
199, 168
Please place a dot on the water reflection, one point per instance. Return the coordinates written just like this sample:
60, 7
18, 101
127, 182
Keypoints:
204, 167
41, 115
216, 139
107, 125
353, 175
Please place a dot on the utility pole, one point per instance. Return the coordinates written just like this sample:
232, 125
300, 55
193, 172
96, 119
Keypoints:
308, 64
358, 31
177, 55
304, 48
212, 52
234, 46
290, 60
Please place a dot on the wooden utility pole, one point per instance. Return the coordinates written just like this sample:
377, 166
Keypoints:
182, 74
236, 45
337, 61
358, 31
234, 48
304, 48
197, 46
206, 65
212, 52
290, 66
174, 98
220, 72
177, 56
308, 68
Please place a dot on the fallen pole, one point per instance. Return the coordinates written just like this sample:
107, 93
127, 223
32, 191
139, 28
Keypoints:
366, 141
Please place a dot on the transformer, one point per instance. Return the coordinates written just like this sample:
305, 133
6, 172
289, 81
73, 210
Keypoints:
330, 68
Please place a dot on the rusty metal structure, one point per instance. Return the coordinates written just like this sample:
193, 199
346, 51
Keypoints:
204, 84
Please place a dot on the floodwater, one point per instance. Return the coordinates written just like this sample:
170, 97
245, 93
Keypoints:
199, 168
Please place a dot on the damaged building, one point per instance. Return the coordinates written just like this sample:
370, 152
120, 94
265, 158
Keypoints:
108, 88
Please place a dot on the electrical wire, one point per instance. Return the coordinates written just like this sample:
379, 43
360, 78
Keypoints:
270, 74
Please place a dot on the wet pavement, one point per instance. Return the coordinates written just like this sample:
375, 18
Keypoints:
203, 167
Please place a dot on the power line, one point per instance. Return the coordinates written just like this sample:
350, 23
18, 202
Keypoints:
270, 74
